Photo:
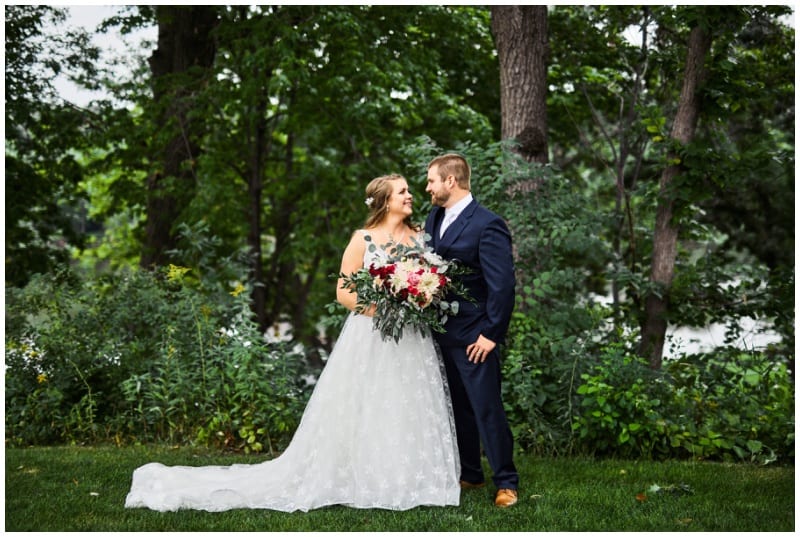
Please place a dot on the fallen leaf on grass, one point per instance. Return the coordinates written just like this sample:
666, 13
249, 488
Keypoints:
684, 521
535, 496
675, 490
641, 497
94, 494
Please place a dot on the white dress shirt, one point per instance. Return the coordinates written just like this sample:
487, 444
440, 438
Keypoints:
451, 213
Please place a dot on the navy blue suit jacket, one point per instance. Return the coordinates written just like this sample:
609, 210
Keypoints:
480, 240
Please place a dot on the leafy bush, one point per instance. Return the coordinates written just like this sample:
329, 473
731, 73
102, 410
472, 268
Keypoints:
239, 392
139, 356
740, 405
537, 386
69, 345
552, 330
731, 405
620, 410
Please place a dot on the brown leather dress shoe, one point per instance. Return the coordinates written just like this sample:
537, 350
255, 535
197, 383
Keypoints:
467, 485
505, 498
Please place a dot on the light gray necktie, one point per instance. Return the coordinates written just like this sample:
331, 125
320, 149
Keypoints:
448, 219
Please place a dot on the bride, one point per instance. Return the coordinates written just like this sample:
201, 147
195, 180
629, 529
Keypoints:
377, 432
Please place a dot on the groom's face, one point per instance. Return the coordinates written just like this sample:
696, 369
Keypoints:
437, 187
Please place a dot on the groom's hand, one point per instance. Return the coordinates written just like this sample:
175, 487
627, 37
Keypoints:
478, 351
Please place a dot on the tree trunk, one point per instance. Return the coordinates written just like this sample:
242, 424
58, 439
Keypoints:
628, 146
185, 48
665, 239
520, 34
255, 189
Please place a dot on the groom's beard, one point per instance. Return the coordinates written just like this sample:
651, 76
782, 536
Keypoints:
440, 199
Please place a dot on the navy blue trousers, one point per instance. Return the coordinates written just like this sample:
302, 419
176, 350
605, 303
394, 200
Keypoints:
480, 417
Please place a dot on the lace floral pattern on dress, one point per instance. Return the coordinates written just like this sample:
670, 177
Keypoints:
377, 432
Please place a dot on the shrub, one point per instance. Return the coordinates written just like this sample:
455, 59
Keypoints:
140, 356
239, 392
541, 367
730, 405
69, 345
739, 405
621, 407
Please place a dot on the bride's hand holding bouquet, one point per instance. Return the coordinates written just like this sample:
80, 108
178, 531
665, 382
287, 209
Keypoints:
407, 286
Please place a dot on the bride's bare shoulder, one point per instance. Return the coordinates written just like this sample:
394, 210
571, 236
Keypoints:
359, 237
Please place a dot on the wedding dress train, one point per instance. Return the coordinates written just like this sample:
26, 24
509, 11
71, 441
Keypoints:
377, 432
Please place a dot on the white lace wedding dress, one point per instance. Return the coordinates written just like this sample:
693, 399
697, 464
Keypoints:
377, 432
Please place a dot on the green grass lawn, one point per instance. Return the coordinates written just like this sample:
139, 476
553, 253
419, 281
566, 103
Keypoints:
83, 489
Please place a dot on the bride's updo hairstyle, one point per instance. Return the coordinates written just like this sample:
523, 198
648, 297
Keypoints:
377, 193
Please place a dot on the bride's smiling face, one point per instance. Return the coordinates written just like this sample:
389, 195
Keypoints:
401, 200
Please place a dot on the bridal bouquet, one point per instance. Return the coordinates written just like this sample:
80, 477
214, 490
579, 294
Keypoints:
407, 286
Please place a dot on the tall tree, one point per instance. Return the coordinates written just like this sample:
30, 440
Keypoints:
615, 94
665, 238
180, 66
520, 34
308, 104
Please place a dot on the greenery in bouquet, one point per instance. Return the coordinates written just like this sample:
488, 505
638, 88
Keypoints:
408, 286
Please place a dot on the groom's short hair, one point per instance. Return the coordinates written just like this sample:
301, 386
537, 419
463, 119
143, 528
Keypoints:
455, 165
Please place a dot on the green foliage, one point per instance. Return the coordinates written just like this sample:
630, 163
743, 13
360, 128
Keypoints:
538, 382
307, 105
557, 249
65, 340
620, 407
114, 214
135, 356
42, 206
740, 405
328, 97
239, 392
731, 405
613, 96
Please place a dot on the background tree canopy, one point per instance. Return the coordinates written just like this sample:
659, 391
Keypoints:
642, 155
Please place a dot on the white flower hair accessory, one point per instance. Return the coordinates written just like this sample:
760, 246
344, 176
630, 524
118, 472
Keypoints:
369, 201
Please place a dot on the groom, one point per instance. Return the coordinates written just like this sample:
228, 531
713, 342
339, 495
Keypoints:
462, 229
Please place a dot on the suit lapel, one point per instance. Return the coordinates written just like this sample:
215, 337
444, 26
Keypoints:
456, 227
436, 224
